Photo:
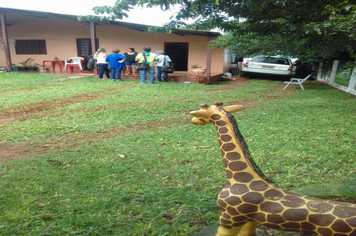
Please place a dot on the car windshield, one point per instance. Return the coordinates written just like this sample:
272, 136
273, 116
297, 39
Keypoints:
271, 60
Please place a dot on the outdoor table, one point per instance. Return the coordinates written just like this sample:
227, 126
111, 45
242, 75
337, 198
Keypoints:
53, 64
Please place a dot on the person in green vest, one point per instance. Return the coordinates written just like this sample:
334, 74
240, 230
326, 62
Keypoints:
150, 59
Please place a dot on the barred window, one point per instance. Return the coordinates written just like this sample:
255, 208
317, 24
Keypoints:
31, 46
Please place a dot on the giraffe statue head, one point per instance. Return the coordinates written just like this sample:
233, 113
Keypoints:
204, 115
250, 198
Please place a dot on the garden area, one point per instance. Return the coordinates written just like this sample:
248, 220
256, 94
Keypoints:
83, 156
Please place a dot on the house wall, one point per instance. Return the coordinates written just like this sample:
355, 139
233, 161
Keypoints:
61, 34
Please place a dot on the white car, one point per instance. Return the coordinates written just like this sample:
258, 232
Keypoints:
269, 65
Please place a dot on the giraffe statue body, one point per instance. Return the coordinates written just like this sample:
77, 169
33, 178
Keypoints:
250, 198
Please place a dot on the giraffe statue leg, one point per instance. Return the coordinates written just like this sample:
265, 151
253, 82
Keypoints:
222, 231
247, 229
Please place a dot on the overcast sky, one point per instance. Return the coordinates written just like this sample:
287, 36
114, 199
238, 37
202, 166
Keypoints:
149, 16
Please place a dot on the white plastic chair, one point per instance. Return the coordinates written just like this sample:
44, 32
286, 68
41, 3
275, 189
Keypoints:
297, 81
74, 62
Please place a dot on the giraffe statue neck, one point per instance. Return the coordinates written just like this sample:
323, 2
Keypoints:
233, 147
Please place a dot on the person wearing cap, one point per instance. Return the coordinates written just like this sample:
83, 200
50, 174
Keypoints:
116, 63
163, 60
150, 59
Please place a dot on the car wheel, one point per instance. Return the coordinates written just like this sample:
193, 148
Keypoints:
243, 74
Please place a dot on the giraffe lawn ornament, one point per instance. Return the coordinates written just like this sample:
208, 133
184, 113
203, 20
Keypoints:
249, 198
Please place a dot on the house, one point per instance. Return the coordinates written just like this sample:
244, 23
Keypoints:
44, 36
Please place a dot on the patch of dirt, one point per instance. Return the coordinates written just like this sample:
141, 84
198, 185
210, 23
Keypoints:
10, 152
235, 81
24, 112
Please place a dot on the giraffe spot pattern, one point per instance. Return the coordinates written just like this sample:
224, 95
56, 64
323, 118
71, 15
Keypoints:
260, 217
228, 147
291, 225
325, 231
243, 177
341, 226
232, 211
239, 218
202, 121
229, 174
227, 185
238, 189
215, 117
223, 130
226, 216
258, 186
344, 212
233, 201
220, 123
225, 222
233, 156
276, 219
225, 138
296, 214
274, 195
308, 226
237, 166
222, 205
271, 207
292, 201
247, 208
321, 220
224, 194
351, 222
319, 207
252, 197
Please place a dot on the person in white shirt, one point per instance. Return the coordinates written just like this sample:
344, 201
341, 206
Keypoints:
100, 57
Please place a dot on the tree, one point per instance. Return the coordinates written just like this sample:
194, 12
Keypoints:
308, 29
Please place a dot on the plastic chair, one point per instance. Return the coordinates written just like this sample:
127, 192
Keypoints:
74, 62
297, 81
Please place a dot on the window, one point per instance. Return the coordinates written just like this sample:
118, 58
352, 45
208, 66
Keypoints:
33, 46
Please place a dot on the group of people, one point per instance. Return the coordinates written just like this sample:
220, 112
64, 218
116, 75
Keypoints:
118, 62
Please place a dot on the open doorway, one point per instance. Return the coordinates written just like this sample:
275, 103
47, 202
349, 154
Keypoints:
84, 49
178, 52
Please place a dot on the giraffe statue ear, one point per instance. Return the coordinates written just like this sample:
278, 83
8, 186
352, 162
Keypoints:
233, 108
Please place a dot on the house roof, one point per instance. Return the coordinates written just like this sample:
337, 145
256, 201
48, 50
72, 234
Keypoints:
16, 16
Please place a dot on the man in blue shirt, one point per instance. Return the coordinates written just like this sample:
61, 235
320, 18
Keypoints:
116, 63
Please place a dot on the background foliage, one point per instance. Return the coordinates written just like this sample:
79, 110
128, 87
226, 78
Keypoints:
313, 30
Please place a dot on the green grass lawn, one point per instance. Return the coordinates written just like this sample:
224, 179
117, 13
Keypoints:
94, 157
